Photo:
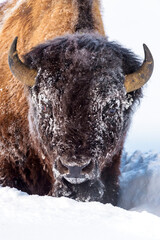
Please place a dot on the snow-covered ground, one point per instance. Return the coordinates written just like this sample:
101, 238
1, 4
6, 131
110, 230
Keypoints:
24, 217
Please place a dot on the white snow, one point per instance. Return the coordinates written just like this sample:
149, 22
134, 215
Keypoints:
34, 217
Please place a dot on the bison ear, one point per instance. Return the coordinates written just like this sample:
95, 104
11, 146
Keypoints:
137, 79
18, 68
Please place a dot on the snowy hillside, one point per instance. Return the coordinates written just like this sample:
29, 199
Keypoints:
140, 182
34, 217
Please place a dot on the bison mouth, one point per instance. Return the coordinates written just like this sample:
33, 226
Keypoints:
90, 190
75, 180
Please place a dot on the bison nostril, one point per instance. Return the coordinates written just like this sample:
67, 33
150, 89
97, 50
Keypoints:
88, 168
63, 169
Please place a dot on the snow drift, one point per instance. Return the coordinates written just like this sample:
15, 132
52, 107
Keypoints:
140, 182
34, 217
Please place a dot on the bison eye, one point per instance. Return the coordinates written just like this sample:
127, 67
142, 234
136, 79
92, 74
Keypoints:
112, 111
109, 112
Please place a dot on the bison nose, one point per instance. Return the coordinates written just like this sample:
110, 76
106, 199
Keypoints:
74, 172
77, 174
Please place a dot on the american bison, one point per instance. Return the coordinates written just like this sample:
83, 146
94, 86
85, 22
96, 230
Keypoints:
66, 104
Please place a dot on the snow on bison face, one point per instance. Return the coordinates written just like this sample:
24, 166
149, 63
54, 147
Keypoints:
79, 112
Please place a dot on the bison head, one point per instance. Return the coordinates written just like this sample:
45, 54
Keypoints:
82, 90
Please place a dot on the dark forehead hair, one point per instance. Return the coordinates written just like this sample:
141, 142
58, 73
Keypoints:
87, 52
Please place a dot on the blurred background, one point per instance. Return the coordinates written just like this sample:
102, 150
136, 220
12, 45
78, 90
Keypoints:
132, 23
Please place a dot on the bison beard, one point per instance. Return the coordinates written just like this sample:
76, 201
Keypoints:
79, 113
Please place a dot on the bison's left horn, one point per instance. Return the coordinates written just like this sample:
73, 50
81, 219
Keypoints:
18, 68
137, 79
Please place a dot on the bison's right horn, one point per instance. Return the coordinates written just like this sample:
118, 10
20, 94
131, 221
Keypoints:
137, 79
18, 68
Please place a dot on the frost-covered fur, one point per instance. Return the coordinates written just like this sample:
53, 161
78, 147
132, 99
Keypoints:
79, 109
